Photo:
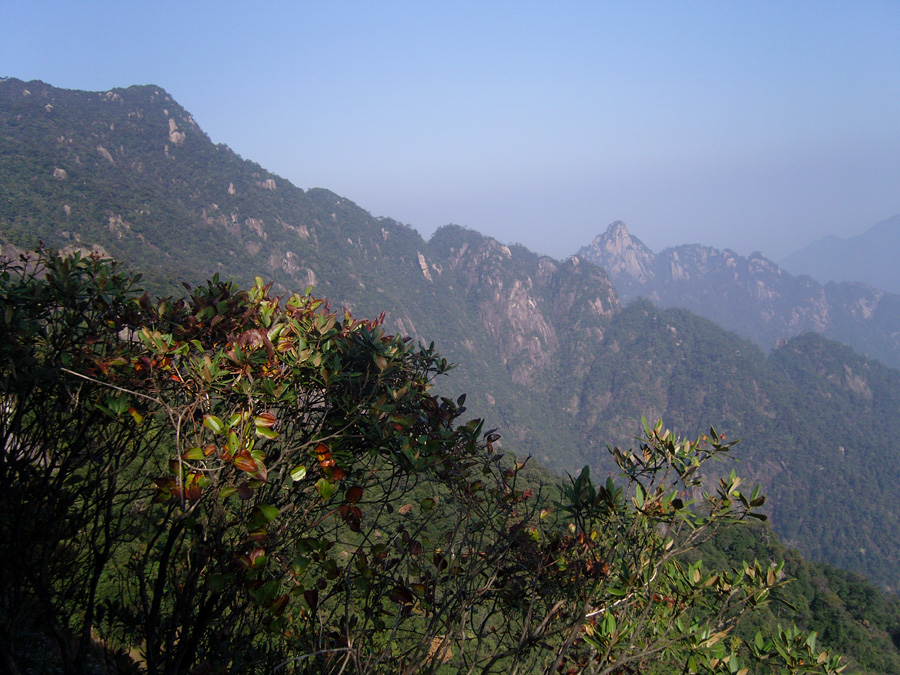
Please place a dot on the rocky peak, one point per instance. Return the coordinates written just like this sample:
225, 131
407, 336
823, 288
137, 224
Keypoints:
750, 295
619, 253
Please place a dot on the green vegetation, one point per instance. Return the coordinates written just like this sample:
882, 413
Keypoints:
238, 482
805, 413
850, 613
754, 297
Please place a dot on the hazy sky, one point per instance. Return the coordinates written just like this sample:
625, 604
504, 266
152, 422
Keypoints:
749, 125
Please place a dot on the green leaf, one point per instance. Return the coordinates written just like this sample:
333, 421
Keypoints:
194, 454
811, 640
213, 423
300, 565
298, 473
639, 495
262, 515
325, 488
758, 640
266, 432
609, 624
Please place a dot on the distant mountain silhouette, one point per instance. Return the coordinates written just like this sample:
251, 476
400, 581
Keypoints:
870, 257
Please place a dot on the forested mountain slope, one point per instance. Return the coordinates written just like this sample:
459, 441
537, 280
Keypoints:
130, 172
812, 416
544, 349
317, 479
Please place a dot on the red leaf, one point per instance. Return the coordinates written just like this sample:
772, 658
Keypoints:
265, 419
261, 471
246, 463
312, 598
245, 491
278, 605
401, 595
322, 451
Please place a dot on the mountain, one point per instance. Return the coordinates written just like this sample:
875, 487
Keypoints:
130, 172
752, 296
545, 350
870, 257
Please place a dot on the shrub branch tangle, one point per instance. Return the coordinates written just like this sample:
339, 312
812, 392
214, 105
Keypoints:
236, 482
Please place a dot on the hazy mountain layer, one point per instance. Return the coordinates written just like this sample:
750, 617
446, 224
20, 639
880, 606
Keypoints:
751, 296
870, 257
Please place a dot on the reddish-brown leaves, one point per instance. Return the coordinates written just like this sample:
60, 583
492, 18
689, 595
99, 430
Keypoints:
332, 471
402, 595
351, 516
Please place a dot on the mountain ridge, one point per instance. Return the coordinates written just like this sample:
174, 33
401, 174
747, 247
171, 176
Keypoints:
750, 295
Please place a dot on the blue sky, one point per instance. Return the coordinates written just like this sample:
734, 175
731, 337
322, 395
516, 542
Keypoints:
751, 125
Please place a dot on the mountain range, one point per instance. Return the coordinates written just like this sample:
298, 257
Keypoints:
562, 356
751, 295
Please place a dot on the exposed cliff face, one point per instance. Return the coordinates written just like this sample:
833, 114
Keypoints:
750, 295
526, 302
621, 255
508, 307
